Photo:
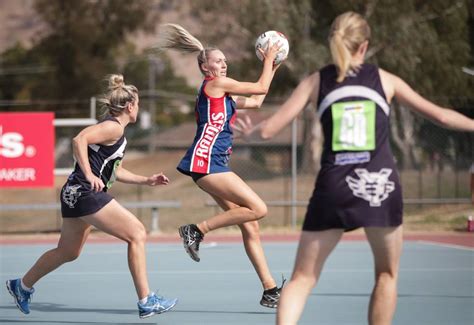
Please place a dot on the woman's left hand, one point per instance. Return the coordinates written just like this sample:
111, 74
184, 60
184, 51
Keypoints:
158, 179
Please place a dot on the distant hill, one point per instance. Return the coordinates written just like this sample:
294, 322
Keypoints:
20, 24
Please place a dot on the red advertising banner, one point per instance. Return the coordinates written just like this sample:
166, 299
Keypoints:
26, 149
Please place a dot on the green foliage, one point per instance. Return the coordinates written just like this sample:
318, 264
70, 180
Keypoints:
424, 42
84, 40
17, 86
80, 47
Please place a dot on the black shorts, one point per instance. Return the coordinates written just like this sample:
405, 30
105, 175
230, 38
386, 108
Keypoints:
77, 200
197, 176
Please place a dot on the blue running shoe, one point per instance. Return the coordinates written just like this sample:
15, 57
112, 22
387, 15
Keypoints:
155, 305
22, 297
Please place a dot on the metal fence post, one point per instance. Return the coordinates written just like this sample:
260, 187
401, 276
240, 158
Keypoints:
93, 107
155, 216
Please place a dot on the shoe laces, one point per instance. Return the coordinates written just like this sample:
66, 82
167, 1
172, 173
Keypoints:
283, 280
154, 298
193, 237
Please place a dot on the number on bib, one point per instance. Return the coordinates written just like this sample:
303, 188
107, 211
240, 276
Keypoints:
353, 126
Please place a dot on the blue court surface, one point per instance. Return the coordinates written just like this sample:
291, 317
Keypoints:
436, 285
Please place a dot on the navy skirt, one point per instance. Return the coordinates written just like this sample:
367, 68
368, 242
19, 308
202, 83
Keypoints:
78, 200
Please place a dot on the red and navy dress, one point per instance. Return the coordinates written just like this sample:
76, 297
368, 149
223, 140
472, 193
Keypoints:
358, 184
212, 145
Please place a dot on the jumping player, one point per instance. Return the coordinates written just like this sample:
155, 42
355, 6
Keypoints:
207, 159
98, 151
358, 184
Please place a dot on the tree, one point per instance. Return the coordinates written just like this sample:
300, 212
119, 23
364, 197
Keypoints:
82, 44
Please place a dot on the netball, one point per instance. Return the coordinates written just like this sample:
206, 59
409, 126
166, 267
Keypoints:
273, 37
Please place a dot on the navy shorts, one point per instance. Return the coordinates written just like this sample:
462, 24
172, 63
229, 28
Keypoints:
197, 176
77, 200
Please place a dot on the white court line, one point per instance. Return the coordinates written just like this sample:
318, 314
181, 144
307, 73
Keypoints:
92, 251
434, 243
151, 249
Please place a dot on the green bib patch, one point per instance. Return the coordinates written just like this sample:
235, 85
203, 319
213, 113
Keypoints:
113, 176
353, 126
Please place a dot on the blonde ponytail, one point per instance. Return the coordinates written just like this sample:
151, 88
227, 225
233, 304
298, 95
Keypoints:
174, 36
348, 32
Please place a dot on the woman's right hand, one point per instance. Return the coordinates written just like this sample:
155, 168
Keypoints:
96, 183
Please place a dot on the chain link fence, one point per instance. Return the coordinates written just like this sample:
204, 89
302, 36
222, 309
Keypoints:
433, 164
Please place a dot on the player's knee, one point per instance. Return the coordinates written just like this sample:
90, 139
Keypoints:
70, 255
386, 278
303, 279
138, 235
260, 211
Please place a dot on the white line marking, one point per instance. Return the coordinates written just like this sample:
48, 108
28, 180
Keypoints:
93, 251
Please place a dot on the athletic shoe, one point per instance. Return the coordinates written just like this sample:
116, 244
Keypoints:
21, 296
271, 297
155, 305
192, 237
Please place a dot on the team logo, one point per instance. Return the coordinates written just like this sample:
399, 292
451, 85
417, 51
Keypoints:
70, 195
211, 131
371, 186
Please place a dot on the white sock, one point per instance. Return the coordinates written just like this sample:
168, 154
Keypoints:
24, 287
143, 301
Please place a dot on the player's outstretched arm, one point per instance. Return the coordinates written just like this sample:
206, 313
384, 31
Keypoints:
441, 116
307, 90
125, 176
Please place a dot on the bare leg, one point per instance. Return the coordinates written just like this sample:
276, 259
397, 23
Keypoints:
386, 244
253, 246
313, 250
121, 223
248, 206
74, 233
254, 250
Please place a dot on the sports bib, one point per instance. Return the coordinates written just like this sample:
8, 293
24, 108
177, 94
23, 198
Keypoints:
353, 126
113, 177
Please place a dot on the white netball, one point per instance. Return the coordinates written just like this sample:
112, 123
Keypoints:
273, 37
